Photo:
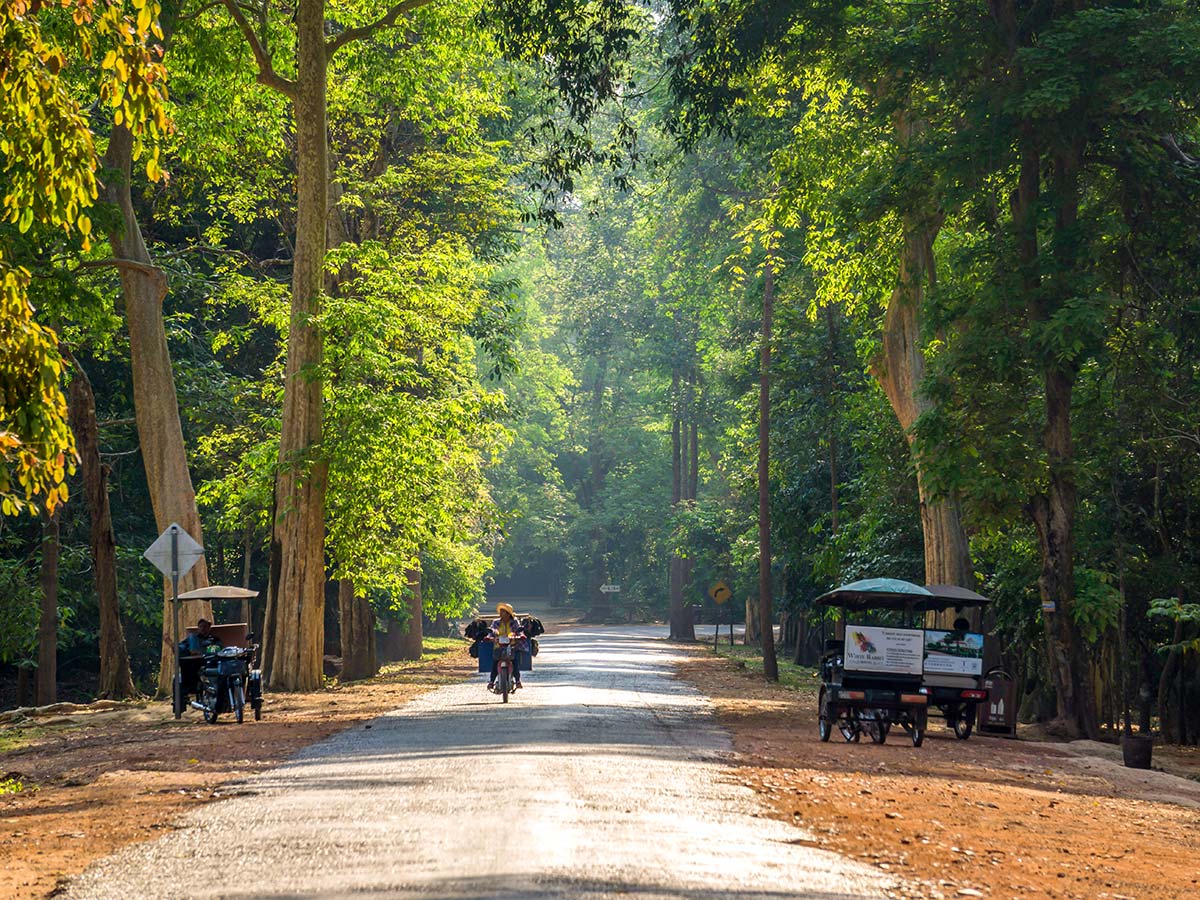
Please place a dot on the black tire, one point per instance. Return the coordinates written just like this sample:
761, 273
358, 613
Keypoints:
964, 724
824, 726
210, 709
878, 728
177, 699
238, 700
918, 735
505, 687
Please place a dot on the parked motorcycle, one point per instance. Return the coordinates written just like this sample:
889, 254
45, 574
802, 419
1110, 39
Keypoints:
228, 682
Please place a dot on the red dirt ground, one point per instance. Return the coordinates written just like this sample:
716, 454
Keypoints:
96, 781
987, 817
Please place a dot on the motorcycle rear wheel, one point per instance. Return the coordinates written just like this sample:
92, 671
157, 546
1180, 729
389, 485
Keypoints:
210, 708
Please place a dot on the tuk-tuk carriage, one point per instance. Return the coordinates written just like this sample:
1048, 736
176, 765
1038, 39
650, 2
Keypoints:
953, 664
888, 670
223, 674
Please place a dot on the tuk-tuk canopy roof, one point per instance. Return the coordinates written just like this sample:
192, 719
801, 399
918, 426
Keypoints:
958, 596
219, 592
893, 593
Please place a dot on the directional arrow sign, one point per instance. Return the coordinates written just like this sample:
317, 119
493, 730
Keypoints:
610, 588
720, 592
174, 552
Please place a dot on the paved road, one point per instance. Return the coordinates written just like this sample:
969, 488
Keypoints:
603, 778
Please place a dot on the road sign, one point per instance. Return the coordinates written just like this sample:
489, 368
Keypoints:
174, 552
720, 592
610, 589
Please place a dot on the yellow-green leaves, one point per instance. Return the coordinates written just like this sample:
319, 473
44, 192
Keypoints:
48, 161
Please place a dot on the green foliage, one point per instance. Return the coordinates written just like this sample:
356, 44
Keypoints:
19, 611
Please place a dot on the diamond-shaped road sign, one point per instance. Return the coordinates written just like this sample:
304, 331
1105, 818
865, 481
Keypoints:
720, 592
187, 551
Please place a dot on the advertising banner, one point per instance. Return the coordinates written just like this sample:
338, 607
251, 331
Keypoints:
954, 652
892, 651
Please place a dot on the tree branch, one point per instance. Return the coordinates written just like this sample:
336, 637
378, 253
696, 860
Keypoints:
402, 8
118, 263
1168, 143
266, 72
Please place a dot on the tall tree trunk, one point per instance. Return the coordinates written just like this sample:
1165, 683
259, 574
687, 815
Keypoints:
358, 633
247, 559
900, 369
677, 479
296, 604
116, 681
412, 643
766, 603
47, 670
832, 397
160, 432
1053, 512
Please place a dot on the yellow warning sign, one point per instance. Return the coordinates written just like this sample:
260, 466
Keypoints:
720, 592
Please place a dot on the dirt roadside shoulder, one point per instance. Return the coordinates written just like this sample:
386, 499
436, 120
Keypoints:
987, 817
94, 782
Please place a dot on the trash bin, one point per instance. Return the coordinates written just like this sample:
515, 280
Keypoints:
697, 609
998, 713
1137, 750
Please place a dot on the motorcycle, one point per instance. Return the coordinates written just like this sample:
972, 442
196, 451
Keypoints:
228, 682
505, 650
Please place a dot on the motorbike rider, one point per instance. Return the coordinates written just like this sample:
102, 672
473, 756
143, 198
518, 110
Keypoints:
506, 626
201, 640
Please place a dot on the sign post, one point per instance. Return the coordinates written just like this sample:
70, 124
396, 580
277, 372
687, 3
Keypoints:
174, 553
720, 593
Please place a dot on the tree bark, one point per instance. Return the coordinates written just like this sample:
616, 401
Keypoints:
766, 612
160, 432
411, 643
1053, 512
47, 670
358, 633
750, 638
116, 681
677, 614
900, 369
296, 605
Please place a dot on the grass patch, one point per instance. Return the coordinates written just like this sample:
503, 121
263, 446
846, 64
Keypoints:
434, 649
791, 676
13, 739
14, 786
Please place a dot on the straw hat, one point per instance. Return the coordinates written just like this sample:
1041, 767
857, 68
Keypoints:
504, 607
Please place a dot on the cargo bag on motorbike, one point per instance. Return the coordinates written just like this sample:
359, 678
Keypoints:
477, 630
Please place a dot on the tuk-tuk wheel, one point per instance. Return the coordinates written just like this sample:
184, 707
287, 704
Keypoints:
918, 735
877, 727
964, 724
850, 729
824, 726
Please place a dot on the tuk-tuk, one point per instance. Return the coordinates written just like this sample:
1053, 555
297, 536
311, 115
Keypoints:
888, 670
223, 674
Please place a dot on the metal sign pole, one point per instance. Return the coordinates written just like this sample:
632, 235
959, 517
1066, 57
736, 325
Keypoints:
177, 680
